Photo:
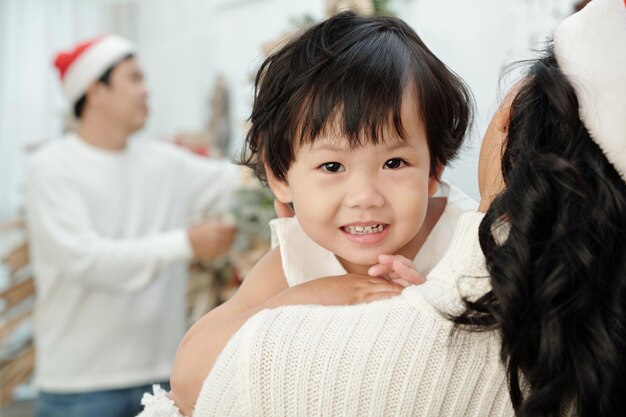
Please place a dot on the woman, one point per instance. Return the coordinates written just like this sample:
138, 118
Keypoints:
525, 315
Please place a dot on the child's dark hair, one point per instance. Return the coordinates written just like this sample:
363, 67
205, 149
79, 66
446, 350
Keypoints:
357, 68
559, 279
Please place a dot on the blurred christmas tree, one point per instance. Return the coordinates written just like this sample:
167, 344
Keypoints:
213, 282
381, 8
362, 7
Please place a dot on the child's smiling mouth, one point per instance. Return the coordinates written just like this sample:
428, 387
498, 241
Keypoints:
364, 230
365, 233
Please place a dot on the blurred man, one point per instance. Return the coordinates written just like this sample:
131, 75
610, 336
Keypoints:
107, 228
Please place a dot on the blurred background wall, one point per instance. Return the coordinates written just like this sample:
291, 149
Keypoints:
196, 50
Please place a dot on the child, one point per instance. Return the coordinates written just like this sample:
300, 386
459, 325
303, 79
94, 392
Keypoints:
353, 122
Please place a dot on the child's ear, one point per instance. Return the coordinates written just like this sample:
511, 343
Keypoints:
433, 182
279, 188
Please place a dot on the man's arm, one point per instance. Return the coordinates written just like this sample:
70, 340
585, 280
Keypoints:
65, 243
210, 182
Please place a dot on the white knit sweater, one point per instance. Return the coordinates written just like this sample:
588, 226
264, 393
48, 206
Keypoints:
388, 358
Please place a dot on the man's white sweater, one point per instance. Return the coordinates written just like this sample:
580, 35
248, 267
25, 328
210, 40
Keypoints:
107, 232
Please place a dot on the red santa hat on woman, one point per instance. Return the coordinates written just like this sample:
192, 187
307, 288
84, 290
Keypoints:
88, 61
590, 47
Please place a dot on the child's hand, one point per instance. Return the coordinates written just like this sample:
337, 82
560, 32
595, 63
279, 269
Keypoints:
398, 269
346, 289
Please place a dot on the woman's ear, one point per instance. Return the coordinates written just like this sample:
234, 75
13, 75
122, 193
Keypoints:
279, 188
433, 182
490, 180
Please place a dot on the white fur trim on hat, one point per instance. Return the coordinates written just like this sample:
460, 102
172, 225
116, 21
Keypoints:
590, 47
92, 63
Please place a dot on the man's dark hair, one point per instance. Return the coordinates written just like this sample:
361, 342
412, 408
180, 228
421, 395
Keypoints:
105, 79
356, 68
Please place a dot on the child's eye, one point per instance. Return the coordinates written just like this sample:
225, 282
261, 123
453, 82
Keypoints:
332, 167
395, 163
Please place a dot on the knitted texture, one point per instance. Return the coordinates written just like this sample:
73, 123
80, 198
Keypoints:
158, 404
394, 357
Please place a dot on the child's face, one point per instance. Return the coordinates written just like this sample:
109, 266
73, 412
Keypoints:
364, 202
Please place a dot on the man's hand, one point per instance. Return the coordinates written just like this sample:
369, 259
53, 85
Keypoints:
398, 269
211, 240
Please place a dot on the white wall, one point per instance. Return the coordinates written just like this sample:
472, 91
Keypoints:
177, 43
31, 105
185, 45
477, 39
243, 30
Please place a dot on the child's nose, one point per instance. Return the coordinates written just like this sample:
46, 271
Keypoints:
363, 193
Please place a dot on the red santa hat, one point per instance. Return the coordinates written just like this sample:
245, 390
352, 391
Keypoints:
88, 61
590, 47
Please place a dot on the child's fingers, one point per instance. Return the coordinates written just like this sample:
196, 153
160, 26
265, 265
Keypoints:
405, 261
379, 270
408, 273
403, 283
393, 275
386, 259
397, 268
381, 296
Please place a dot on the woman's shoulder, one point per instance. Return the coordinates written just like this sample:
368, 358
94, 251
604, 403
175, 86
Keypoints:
384, 347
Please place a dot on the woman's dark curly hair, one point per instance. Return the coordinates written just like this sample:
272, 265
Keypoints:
558, 280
